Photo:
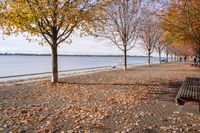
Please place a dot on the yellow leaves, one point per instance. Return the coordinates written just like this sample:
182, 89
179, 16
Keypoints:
40, 17
111, 101
38, 105
181, 21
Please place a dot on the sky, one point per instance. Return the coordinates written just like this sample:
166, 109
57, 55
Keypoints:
80, 46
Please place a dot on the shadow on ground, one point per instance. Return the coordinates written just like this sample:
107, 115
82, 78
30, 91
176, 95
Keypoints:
110, 84
166, 92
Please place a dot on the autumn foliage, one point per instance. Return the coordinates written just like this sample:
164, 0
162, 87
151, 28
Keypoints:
181, 23
53, 20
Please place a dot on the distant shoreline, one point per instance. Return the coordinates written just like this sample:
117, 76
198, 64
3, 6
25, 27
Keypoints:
21, 54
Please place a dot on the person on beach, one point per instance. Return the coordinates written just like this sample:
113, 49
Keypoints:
180, 59
195, 59
185, 58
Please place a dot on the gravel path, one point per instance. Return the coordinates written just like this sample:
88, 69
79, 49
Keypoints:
141, 99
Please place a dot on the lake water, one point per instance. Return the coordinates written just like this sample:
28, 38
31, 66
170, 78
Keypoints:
11, 65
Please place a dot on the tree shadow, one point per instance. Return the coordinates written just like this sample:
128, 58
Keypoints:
106, 84
164, 70
168, 92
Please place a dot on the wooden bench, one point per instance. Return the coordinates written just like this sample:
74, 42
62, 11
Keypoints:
189, 91
195, 65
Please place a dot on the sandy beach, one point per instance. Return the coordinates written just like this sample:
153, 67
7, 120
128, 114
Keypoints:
141, 99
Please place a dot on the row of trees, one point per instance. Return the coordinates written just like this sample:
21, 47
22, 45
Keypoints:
181, 25
172, 28
123, 22
131, 21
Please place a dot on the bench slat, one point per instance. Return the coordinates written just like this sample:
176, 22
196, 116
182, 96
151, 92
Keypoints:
189, 91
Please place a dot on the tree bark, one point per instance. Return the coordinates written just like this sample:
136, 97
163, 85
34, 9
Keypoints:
167, 56
54, 60
125, 58
149, 59
159, 52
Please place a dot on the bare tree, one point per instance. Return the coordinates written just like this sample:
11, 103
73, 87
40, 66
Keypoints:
122, 26
167, 49
172, 51
159, 47
150, 35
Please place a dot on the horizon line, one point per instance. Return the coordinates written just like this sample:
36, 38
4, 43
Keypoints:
43, 54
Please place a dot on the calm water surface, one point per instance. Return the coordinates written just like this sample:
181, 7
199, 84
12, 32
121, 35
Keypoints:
11, 65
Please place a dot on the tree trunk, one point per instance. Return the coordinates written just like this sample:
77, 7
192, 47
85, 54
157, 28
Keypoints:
167, 55
149, 59
54, 62
174, 57
125, 58
159, 56
171, 58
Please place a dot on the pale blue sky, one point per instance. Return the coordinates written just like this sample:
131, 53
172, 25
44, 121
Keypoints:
82, 46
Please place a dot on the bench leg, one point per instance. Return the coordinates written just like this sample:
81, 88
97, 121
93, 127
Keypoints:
199, 107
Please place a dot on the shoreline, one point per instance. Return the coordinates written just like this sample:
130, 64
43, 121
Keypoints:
26, 78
